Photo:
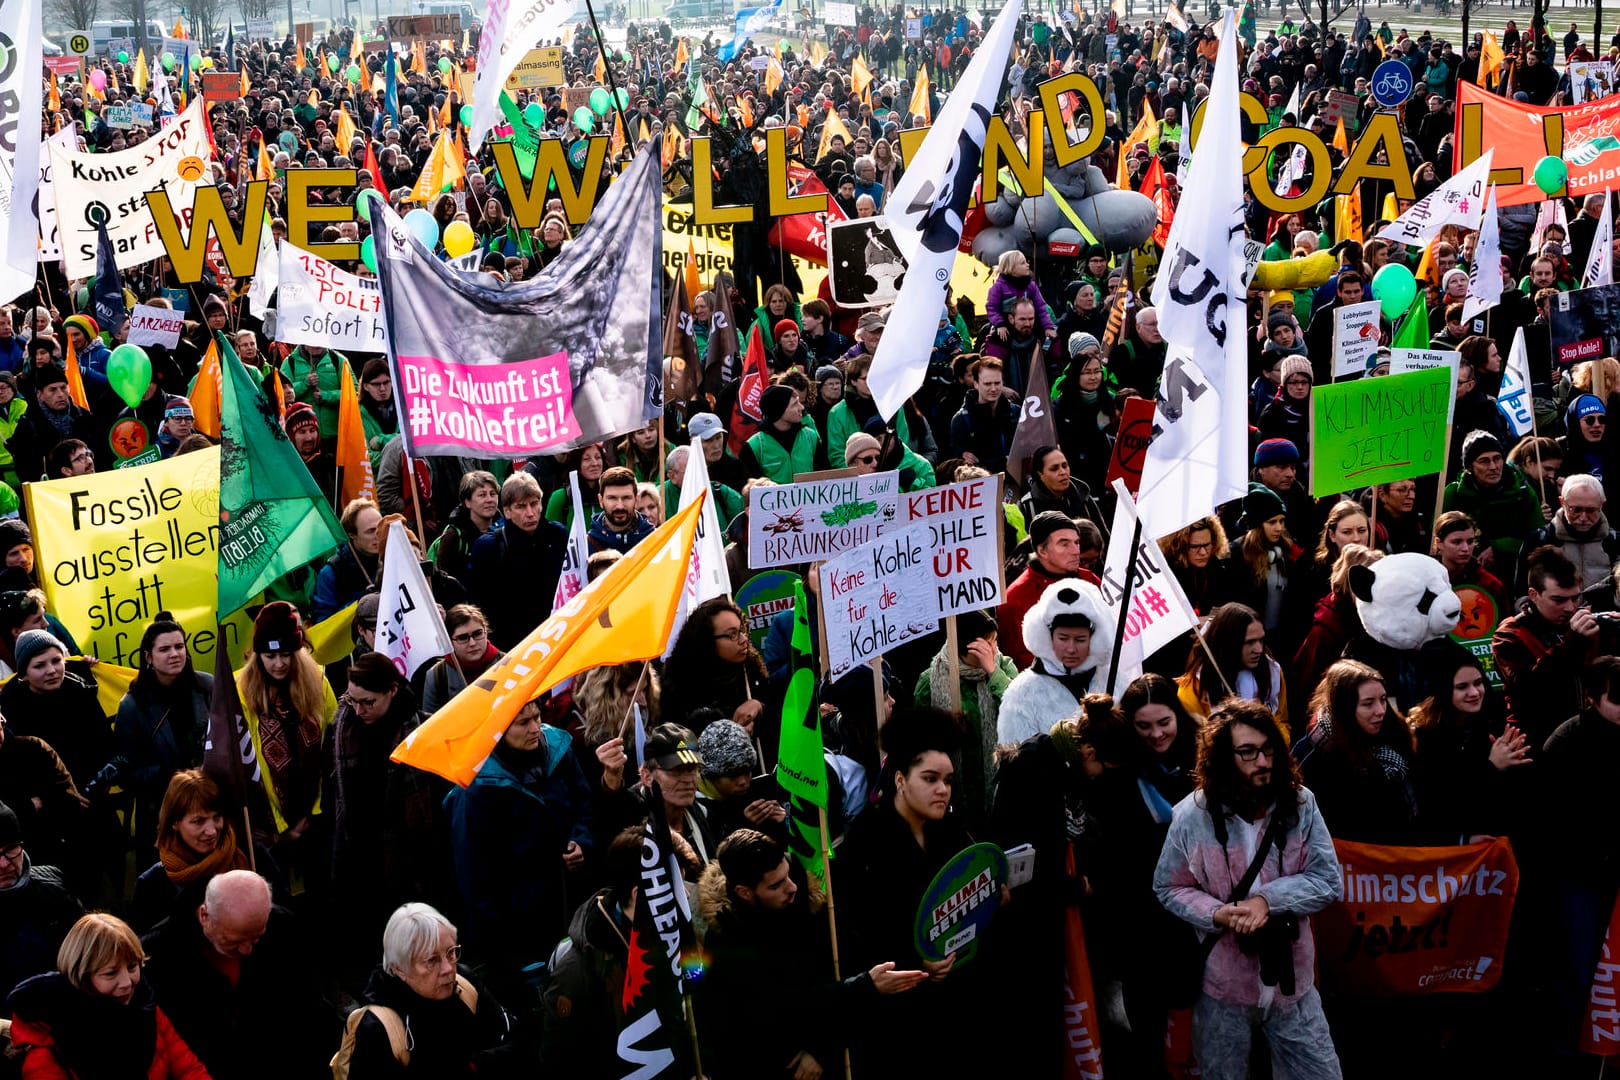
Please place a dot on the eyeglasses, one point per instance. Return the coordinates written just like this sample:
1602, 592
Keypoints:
82, 455
738, 635
12, 854
469, 637
1249, 753
1202, 547
1298, 380
865, 459
437, 960
359, 702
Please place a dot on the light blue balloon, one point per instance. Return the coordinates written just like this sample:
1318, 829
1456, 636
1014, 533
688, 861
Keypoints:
423, 227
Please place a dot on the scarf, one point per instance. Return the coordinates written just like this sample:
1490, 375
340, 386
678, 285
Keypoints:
184, 867
96, 1037
61, 421
984, 707
290, 747
1077, 683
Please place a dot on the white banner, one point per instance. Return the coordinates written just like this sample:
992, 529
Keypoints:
511, 29
260, 29
410, 631
155, 326
1459, 201
1404, 360
706, 575
926, 210
1600, 260
1514, 396
90, 185
20, 88
875, 598
1485, 269
839, 14
1181, 470
266, 272
317, 303
1156, 611
571, 581
50, 236
1355, 337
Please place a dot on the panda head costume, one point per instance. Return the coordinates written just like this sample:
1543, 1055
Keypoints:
1071, 603
1405, 600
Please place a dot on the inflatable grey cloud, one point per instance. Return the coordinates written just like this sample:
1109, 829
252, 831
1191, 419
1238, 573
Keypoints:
1118, 219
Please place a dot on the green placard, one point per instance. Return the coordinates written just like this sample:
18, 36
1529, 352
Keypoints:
1374, 431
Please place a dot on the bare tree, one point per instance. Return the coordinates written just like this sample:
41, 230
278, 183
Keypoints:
207, 17
75, 14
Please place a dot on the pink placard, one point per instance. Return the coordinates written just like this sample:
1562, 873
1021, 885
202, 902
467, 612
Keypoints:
498, 409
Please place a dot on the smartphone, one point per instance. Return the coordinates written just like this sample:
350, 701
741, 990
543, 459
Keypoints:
764, 786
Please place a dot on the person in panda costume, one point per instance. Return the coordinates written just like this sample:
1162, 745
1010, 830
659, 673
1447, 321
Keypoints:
1067, 631
1407, 608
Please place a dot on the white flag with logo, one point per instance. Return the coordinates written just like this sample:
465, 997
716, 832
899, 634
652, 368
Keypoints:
1485, 272
20, 88
572, 579
409, 629
1600, 261
1459, 201
1200, 292
1181, 471
511, 29
925, 213
706, 575
1155, 610
1514, 396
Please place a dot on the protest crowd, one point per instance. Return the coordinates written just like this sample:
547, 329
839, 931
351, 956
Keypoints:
742, 554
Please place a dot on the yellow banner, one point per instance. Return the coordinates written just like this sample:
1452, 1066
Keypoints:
114, 549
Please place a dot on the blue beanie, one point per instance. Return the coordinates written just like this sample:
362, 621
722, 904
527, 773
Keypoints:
1589, 405
1276, 452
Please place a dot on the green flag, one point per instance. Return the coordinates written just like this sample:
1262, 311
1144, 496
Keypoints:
273, 518
1413, 332
801, 768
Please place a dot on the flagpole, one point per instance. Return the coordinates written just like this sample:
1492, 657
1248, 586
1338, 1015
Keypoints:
1125, 601
624, 725
613, 83
952, 649
832, 913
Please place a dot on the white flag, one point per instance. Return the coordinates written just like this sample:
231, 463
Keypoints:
1292, 169
1514, 397
409, 629
266, 273
706, 575
925, 213
572, 579
1600, 261
1181, 471
1459, 201
1175, 18
1200, 292
20, 88
1155, 610
1485, 272
511, 29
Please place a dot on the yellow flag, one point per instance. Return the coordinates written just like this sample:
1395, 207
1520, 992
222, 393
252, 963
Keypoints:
432, 176
331, 639
643, 135
418, 58
179, 30
617, 144
1391, 209
246, 85
1425, 266
919, 98
143, 74
834, 126
1347, 216
623, 616
859, 78
53, 103
1341, 142
773, 76
1145, 131
455, 165
818, 54
354, 46
601, 69
681, 55
75, 380
345, 131
267, 168
351, 443
365, 77
205, 393
1490, 59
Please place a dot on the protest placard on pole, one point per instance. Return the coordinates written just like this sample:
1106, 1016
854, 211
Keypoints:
964, 543
1403, 360
815, 519
1374, 431
1355, 338
876, 598
1130, 445
1154, 611
155, 326
319, 303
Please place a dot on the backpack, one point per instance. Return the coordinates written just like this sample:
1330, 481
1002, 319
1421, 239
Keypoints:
392, 1023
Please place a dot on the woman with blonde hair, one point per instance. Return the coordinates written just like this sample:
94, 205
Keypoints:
93, 1017
1309, 578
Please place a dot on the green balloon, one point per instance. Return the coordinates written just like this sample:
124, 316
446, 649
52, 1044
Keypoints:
1551, 174
331, 64
81, 299
123, 56
624, 98
368, 254
167, 60
466, 116
352, 73
534, 115
584, 120
1395, 287
444, 65
601, 101
129, 372
624, 55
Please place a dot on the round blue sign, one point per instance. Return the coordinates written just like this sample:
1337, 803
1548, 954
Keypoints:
1392, 83
960, 903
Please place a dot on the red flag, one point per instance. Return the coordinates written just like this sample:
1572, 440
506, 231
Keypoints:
1600, 1033
1153, 187
756, 376
375, 170
1082, 1036
805, 235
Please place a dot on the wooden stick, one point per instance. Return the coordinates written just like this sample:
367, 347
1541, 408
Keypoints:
1440, 488
624, 725
247, 823
832, 913
953, 650
416, 495
1212, 663
689, 1007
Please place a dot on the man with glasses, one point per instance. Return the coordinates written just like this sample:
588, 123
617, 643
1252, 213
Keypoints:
35, 907
1247, 859
1581, 530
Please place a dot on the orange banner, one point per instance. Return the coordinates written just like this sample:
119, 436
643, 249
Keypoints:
1417, 920
1082, 1054
1600, 1034
1586, 136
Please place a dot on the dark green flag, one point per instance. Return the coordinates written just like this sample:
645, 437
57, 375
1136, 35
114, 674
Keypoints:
801, 768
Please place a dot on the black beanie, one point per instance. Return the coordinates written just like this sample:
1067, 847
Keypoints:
774, 402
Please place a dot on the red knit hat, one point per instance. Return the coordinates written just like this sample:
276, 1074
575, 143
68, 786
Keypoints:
783, 326
299, 412
277, 628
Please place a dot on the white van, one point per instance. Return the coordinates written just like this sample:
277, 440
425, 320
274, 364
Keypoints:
448, 7
104, 32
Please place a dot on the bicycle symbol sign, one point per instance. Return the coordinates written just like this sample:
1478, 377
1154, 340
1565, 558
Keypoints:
1391, 83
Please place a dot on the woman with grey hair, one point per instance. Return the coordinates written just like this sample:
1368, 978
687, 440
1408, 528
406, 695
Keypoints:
425, 1015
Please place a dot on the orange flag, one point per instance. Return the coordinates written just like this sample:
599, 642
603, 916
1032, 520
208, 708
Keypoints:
618, 137
919, 98
352, 458
623, 616
298, 58
345, 131
681, 55
694, 282
205, 393
1341, 142
75, 380
860, 78
745, 111
671, 147
279, 392
601, 68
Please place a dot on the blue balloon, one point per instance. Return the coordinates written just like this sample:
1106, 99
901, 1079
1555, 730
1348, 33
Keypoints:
423, 227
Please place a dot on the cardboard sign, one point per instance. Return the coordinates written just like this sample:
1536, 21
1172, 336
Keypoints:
1130, 446
260, 28
319, 303
140, 113
959, 903
1374, 431
304, 33
763, 597
913, 29
840, 14
1585, 324
155, 326
964, 538
541, 67
119, 117
1417, 920
1404, 360
816, 519
221, 86
436, 27
1340, 105
1355, 338
865, 263
873, 598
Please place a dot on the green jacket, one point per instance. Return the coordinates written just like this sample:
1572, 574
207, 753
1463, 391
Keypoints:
376, 438
328, 381
780, 465
727, 503
1505, 516
841, 424
10, 417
